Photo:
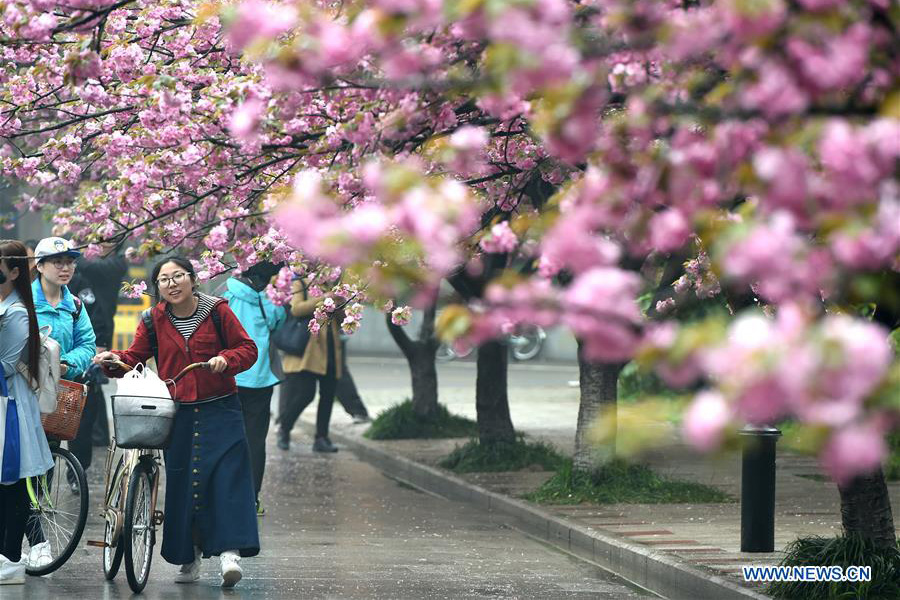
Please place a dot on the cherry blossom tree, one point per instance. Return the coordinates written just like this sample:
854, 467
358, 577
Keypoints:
125, 120
420, 353
565, 157
763, 135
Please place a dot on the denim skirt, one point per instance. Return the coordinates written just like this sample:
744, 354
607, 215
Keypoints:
209, 487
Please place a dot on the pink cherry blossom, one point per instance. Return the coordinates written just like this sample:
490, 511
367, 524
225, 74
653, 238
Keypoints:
217, 238
257, 19
669, 230
750, 145
500, 240
135, 290
854, 450
605, 312
245, 119
401, 315
706, 419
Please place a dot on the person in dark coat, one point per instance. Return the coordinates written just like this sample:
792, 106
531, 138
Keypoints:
210, 505
346, 392
96, 282
319, 366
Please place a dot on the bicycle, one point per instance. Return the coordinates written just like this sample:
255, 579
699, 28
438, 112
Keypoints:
524, 344
527, 341
59, 509
129, 509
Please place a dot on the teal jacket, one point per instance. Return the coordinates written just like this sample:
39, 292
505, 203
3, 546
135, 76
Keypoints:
249, 306
76, 338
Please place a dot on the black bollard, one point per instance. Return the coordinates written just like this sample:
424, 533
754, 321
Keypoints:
758, 488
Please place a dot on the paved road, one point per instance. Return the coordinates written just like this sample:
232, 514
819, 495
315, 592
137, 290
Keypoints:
376, 373
337, 528
541, 400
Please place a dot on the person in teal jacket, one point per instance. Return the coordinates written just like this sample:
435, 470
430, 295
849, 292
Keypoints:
55, 306
260, 317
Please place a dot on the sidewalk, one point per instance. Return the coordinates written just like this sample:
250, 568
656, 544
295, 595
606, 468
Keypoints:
704, 538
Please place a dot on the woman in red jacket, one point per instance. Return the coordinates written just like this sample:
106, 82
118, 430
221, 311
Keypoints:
210, 504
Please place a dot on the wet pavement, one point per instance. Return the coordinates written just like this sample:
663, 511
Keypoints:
337, 528
544, 400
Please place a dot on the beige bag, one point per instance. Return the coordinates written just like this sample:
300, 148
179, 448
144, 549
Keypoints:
47, 388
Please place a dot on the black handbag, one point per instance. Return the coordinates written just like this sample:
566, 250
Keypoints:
274, 355
292, 336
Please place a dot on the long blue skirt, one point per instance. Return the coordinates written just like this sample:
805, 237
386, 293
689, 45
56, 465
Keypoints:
209, 486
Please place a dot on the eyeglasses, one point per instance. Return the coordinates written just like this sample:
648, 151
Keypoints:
177, 278
62, 263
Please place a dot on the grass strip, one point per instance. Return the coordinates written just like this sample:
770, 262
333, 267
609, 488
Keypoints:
400, 422
474, 457
622, 482
841, 551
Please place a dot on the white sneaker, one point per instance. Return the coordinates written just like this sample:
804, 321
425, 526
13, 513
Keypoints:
11, 572
190, 572
39, 556
231, 568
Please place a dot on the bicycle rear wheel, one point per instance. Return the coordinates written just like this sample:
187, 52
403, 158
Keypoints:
59, 507
137, 533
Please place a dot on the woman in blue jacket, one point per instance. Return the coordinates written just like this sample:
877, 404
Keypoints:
259, 317
70, 326
56, 306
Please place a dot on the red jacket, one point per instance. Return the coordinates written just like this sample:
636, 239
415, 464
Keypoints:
175, 353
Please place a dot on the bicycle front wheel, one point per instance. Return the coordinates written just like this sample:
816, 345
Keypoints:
137, 533
59, 507
112, 555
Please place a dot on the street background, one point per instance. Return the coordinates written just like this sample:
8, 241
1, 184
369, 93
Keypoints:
337, 528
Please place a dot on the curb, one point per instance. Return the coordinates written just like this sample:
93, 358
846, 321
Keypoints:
642, 566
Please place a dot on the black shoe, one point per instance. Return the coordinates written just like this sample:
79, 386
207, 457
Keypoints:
284, 440
323, 444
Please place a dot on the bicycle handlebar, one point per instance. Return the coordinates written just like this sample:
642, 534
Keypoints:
199, 365
189, 368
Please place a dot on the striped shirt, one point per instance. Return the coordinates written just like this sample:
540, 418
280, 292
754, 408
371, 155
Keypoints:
188, 325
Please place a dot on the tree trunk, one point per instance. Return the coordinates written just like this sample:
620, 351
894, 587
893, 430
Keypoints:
597, 406
866, 509
424, 384
420, 356
491, 400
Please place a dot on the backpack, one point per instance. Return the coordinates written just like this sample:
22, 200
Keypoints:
47, 388
78, 306
154, 342
48, 372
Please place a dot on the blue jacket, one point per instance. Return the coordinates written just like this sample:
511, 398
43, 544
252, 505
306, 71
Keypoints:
245, 302
76, 338
34, 453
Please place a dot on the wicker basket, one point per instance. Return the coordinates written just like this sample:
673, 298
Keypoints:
62, 424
